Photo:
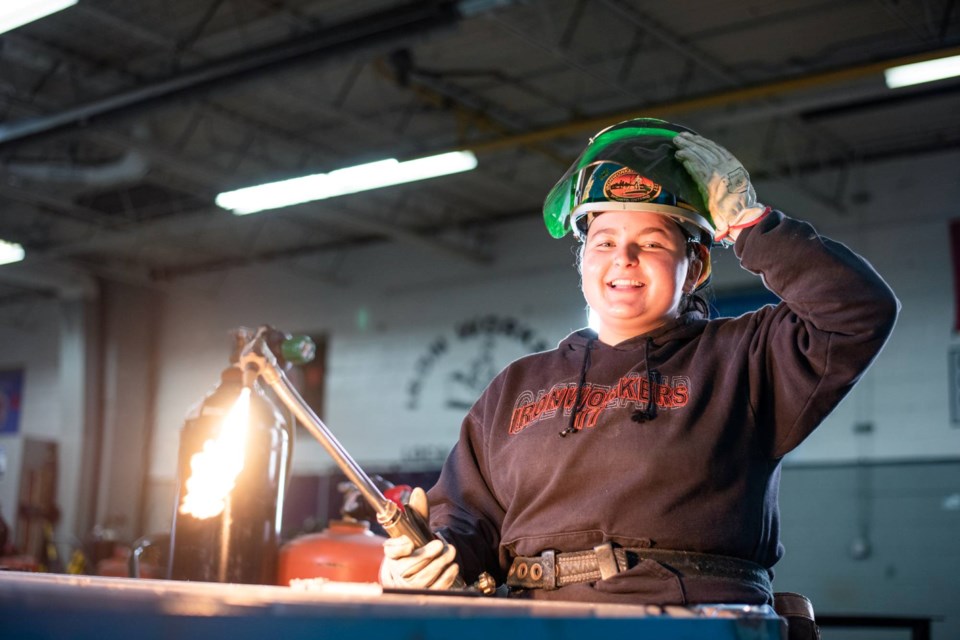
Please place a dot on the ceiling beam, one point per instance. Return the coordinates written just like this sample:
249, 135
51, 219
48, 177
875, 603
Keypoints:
705, 102
379, 31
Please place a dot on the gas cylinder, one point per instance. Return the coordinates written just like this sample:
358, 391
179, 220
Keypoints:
241, 542
346, 551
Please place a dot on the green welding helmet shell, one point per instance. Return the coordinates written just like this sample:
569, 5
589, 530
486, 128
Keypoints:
651, 179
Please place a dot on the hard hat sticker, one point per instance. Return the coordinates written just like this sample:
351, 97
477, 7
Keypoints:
626, 185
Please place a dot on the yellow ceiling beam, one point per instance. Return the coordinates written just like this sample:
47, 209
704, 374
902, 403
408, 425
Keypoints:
708, 101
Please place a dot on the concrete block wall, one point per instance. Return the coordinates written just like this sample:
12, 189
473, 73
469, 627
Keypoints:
906, 514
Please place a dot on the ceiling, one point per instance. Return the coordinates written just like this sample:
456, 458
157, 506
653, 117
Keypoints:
120, 120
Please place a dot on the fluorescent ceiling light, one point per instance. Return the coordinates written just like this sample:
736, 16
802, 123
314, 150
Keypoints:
363, 177
10, 252
15, 13
918, 72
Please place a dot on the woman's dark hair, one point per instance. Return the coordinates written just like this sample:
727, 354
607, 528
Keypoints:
694, 301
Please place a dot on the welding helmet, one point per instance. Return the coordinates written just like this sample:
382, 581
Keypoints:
631, 166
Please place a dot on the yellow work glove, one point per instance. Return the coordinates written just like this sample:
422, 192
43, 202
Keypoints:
431, 566
724, 183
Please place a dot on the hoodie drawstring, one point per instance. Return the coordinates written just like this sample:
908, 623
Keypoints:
649, 412
653, 384
583, 380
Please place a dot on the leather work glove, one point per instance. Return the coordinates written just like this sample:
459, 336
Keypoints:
431, 566
724, 183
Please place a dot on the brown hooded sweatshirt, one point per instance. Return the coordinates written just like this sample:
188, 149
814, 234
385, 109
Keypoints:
678, 435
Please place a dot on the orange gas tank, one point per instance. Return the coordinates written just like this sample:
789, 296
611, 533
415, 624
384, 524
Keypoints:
346, 551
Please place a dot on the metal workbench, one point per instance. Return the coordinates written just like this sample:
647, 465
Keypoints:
46, 606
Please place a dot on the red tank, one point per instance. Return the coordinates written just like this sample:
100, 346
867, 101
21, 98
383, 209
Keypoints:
346, 551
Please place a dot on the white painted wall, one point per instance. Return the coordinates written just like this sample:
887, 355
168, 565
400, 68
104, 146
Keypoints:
31, 340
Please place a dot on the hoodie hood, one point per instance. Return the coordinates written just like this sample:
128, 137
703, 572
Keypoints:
681, 327
684, 326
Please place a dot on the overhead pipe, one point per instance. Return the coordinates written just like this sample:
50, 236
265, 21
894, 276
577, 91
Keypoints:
385, 29
130, 167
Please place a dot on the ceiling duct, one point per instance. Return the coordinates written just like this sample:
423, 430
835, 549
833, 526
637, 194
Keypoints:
381, 31
129, 168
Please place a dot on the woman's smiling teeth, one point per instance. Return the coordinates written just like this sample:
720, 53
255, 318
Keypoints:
621, 283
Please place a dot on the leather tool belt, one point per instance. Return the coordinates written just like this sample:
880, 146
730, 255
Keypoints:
551, 570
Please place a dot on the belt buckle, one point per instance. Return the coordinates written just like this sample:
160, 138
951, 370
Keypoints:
606, 560
548, 561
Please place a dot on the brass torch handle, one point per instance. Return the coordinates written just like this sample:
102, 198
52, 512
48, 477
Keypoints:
257, 360
281, 386
408, 522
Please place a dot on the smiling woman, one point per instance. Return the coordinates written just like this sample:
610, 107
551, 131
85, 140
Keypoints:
663, 488
636, 267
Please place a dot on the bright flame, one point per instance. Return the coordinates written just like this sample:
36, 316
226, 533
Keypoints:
214, 470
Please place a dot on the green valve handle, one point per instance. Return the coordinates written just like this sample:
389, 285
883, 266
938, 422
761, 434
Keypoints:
298, 350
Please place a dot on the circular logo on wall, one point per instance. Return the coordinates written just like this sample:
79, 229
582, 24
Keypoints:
455, 368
